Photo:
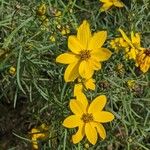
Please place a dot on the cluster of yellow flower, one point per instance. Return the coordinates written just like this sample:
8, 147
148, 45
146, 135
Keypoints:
56, 14
132, 49
86, 56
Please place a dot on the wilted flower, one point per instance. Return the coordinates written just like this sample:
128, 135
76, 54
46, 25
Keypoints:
133, 44
143, 60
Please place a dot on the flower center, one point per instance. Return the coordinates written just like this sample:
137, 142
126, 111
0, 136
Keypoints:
87, 118
85, 54
147, 52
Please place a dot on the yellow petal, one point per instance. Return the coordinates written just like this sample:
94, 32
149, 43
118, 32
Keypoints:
90, 84
78, 89
71, 72
97, 104
85, 70
101, 54
77, 107
95, 64
91, 133
125, 37
82, 98
35, 145
97, 40
103, 116
67, 58
72, 121
106, 6
74, 44
101, 130
84, 34
118, 4
76, 138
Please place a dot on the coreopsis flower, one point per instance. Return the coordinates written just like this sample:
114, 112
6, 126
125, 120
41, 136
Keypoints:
143, 60
133, 45
84, 84
118, 43
41, 10
107, 4
88, 118
86, 53
12, 70
37, 134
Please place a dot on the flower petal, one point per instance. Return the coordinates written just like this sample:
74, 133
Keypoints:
125, 37
84, 34
72, 121
90, 84
78, 136
106, 6
95, 64
82, 98
71, 72
118, 4
85, 69
74, 44
103, 116
77, 107
91, 133
101, 130
97, 104
97, 40
101, 54
67, 58
78, 89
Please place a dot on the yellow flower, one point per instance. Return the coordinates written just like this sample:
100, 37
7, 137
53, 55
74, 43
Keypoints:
133, 46
84, 83
12, 70
131, 84
86, 53
52, 38
118, 43
41, 10
143, 60
107, 4
88, 118
37, 134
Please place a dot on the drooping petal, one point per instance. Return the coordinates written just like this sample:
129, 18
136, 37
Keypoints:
78, 136
72, 121
85, 70
82, 98
101, 54
84, 34
71, 72
74, 44
106, 6
90, 84
125, 37
78, 89
101, 130
118, 4
103, 116
97, 104
91, 133
67, 58
97, 40
77, 107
